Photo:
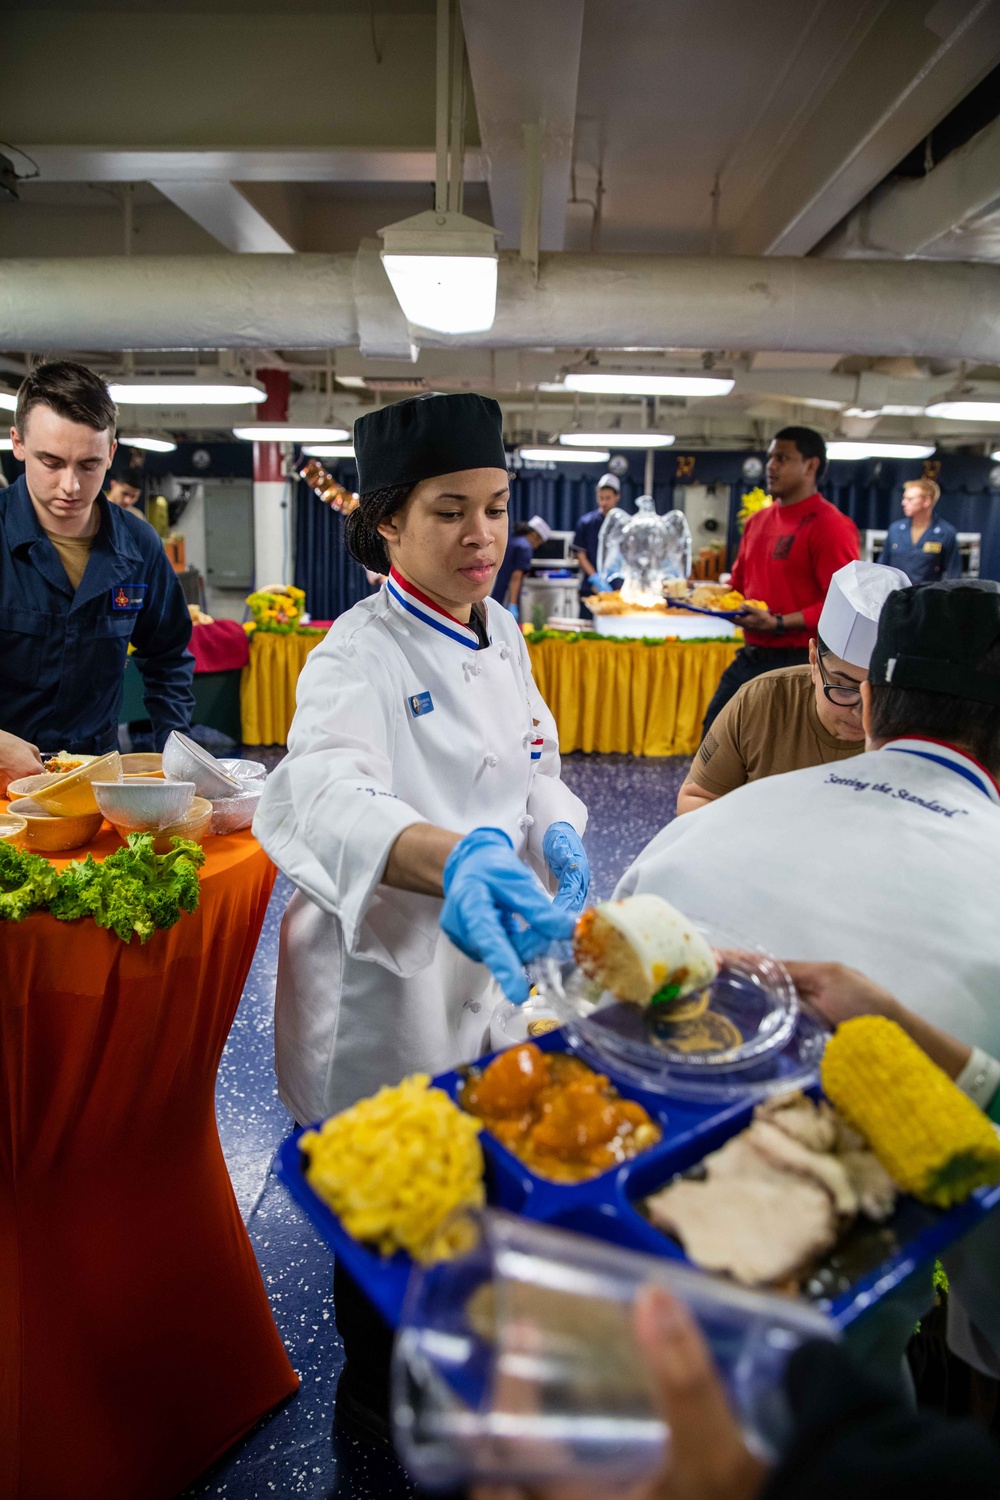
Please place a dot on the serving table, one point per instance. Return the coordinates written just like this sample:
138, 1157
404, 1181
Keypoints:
627, 696
267, 689
136, 1340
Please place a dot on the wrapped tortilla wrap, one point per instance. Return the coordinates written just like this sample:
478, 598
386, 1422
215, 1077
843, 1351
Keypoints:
643, 947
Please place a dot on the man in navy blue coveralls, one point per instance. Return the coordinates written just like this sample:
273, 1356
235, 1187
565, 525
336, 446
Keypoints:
925, 549
79, 580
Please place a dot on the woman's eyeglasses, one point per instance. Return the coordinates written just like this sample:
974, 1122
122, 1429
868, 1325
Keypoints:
843, 697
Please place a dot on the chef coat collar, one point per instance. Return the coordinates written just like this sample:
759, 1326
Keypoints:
959, 762
407, 597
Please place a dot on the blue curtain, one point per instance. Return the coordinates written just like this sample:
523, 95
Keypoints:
869, 491
332, 580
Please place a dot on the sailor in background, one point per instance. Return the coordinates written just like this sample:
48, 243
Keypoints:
588, 530
525, 536
799, 716
926, 549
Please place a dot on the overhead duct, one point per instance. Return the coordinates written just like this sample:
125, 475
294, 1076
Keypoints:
942, 310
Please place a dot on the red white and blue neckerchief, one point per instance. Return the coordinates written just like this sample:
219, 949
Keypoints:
957, 761
410, 599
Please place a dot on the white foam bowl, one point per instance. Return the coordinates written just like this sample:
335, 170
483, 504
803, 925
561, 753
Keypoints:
185, 760
138, 802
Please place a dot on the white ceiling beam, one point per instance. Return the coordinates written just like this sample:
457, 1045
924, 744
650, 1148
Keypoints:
906, 216
343, 164
525, 64
222, 210
907, 72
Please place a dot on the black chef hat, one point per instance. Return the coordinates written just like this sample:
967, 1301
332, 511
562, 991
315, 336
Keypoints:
425, 436
936, 638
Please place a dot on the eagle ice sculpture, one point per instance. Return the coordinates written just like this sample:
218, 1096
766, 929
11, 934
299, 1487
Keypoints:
643, 550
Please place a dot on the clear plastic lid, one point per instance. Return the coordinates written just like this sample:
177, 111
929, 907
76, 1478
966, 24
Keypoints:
732, 1039
519, 1360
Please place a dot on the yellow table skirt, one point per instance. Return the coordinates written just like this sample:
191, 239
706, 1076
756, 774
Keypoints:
629, 697
267, 685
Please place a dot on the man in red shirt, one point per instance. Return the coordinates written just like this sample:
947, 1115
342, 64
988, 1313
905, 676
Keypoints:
788, 555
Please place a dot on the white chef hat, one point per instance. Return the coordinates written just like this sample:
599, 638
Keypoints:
542, 527
610, 482
849, 622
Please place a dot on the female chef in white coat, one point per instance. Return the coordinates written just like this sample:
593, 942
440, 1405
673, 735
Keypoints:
422, 761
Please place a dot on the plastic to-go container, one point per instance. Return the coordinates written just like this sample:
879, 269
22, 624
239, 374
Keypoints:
519, 1362
775, 1045
245, 770
233, 814
185, 760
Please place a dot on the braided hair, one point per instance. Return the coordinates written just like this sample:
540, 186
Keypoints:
361, 532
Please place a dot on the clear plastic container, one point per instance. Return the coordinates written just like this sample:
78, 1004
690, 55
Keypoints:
511, 1024
233, 814
753, 995
519, 1361
245, 770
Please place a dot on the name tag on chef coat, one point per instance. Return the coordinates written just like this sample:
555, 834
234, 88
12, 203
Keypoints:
128, 596
932, 546
420, 703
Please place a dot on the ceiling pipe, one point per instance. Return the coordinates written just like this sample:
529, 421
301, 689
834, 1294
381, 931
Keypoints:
941, 310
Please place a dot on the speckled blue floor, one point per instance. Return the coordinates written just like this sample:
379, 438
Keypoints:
291, 1453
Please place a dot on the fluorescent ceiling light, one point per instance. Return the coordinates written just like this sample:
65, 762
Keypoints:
879, 450
819, 402
284, 432
329, 450
650, 385
884, 411
443, 270
5, 445
617, 439
7, 402
566, 455
152, 445
185, 393
966, 411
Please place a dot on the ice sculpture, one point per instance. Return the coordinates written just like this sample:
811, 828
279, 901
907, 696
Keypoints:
643, 550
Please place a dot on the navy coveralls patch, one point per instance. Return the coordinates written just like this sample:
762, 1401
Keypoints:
63, 653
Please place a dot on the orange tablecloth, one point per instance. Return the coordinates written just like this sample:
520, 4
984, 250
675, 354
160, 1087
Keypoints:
136, 1341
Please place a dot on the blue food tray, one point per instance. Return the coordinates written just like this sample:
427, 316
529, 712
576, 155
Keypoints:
607, 1206
716, 614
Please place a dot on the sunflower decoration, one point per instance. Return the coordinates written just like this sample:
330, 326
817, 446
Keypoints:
277, 609
753, 501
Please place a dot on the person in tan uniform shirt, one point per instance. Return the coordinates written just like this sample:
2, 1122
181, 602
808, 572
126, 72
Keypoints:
779, 722
804, 715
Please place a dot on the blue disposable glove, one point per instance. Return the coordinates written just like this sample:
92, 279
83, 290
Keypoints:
515, 610
495, 911
567, 859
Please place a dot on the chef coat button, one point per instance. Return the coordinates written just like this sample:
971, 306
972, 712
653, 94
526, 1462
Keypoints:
525, 821
491, 760
504, 652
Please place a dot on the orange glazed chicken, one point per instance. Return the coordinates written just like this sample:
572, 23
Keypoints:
556, 1114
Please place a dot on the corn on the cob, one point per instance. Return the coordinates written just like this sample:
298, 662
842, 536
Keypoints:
932, 1140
